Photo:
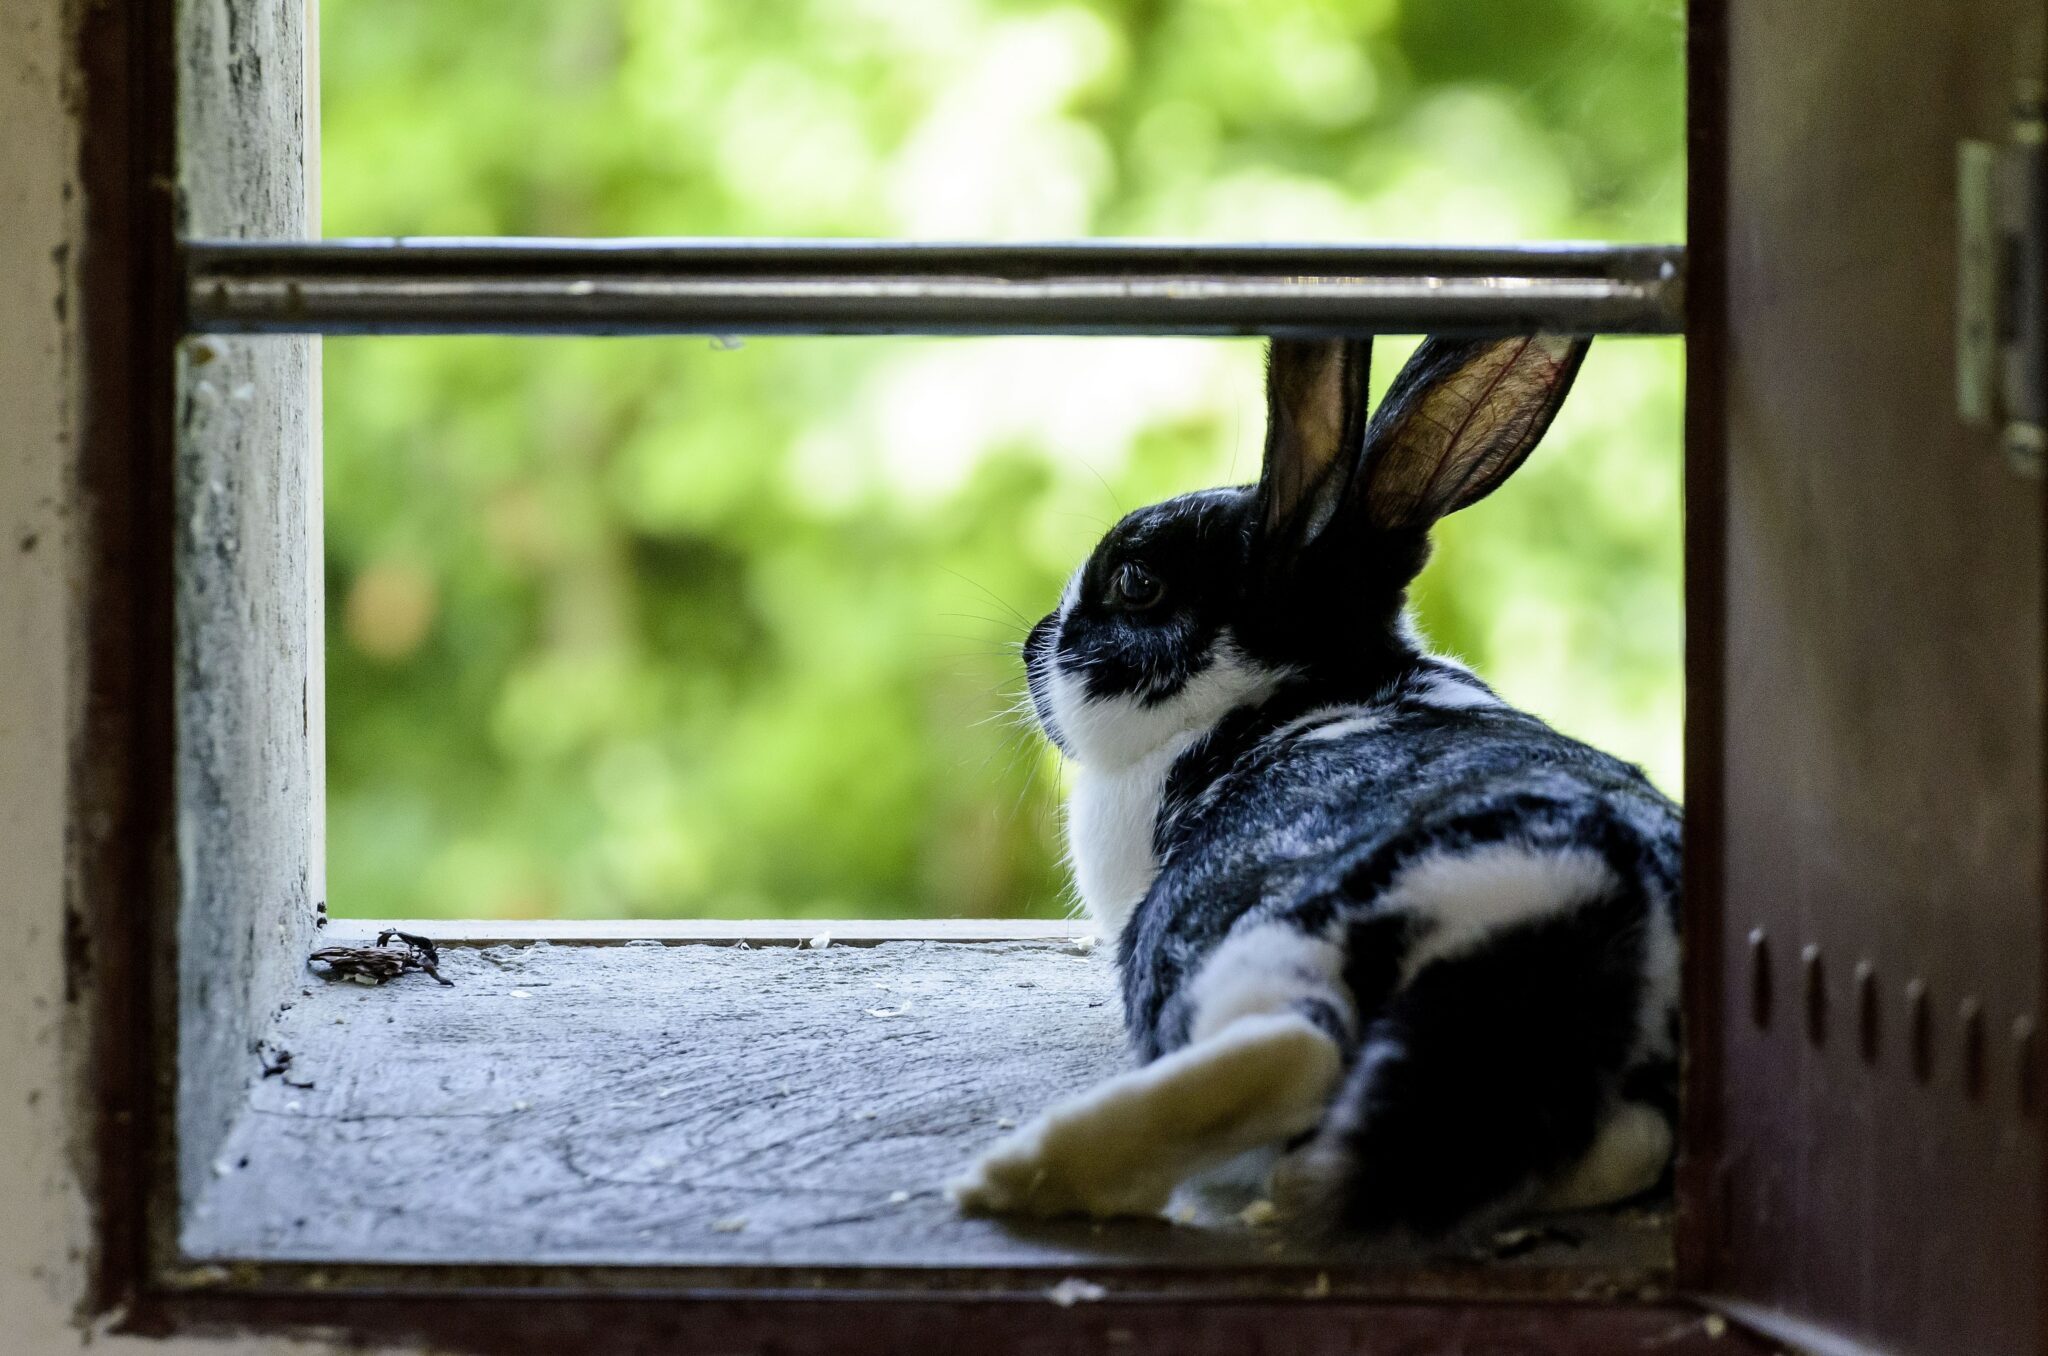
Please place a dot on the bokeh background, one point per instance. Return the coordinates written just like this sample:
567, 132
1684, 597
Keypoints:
684, 628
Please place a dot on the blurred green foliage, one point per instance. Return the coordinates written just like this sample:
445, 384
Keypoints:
651, 627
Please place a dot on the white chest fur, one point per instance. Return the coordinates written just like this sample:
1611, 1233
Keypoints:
1110, 817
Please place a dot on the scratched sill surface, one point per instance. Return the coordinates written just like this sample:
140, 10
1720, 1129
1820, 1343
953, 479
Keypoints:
702, 1105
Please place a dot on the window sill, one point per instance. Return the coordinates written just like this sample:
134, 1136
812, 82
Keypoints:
740, 1117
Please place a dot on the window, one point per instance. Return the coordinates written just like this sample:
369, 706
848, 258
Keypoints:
222, 802
846, 1056
793, 1101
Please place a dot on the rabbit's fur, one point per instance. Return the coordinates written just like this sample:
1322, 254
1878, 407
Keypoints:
1406, 948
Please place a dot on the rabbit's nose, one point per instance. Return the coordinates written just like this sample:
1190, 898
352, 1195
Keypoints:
1044, 638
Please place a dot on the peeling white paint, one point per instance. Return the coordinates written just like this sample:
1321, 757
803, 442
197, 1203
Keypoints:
47, 1241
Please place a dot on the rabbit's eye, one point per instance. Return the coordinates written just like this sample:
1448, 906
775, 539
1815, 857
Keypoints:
1135, 587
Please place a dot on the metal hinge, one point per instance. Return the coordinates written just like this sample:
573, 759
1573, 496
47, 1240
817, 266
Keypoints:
2001, 288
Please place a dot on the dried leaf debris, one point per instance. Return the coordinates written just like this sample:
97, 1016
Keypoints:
382, 963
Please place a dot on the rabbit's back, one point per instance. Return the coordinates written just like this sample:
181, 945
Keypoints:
1305, 810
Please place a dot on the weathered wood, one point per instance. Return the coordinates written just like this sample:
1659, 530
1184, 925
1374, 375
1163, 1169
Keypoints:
111, 493
84, 652
730, 1107
250, 779
518, 1325
1706, 606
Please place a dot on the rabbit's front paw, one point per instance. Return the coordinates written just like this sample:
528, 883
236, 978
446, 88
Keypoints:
1048, 1169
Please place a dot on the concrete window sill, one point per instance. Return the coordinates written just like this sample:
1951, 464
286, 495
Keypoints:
713, 1100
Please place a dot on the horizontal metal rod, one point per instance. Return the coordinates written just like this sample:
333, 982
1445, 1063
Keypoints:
726, 287
514, 255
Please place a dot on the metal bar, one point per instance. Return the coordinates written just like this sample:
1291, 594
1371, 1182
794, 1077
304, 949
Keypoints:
726, 287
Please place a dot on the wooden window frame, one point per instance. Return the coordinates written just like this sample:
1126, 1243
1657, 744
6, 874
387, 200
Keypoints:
124, 928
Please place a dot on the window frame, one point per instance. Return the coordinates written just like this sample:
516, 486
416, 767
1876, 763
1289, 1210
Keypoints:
122, 929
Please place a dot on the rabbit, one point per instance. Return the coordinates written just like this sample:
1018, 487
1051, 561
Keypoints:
1403, 952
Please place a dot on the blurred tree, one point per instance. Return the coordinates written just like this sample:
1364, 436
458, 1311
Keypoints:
659, 627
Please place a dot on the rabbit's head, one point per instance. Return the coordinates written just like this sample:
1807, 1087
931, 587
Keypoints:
1210, 601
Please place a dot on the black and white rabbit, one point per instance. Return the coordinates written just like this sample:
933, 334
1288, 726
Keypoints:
1406, 947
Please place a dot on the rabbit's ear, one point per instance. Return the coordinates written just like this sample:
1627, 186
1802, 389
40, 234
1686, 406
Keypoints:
1315, 426
1460, 417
